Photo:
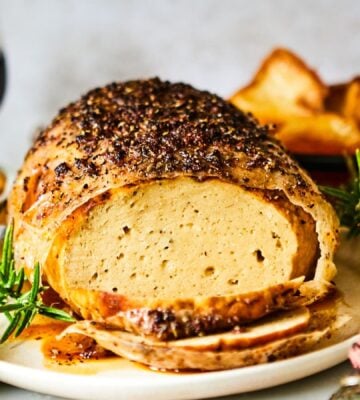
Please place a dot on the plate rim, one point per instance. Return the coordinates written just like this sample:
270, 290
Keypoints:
49, 382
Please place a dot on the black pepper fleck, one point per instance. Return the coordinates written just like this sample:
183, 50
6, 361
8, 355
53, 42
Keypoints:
61, 169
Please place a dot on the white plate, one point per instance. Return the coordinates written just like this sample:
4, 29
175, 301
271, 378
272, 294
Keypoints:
22, 365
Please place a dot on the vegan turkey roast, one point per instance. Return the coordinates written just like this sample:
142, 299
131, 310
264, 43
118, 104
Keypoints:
163, 211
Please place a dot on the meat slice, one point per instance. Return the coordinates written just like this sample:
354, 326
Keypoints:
273, 339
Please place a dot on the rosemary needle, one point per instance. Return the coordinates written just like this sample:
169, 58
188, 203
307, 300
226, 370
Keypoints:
347, 200
18, 306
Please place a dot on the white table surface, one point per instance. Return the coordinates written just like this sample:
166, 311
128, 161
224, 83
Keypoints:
57, 50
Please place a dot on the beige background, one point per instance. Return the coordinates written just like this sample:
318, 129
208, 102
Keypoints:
58, 49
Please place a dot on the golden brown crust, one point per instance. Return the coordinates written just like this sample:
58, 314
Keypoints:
142, 130
166, 319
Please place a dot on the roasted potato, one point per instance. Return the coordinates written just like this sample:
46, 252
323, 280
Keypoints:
325, 133
310, 117
283, 87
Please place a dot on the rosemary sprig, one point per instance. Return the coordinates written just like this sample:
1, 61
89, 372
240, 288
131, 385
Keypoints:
18, 306
347, 200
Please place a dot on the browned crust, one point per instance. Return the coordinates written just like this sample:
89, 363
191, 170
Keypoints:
142, 130
167, 319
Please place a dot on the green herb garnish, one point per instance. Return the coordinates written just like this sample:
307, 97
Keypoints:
18, 306
347, 200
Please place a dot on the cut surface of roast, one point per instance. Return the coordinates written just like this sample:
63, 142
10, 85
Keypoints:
182, 238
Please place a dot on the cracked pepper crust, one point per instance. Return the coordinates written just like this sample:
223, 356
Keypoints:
138, 131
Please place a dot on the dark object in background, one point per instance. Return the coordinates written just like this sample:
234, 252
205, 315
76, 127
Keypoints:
325, 170
2, 76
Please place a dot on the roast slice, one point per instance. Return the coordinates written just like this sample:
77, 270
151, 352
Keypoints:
173, 358
166, 319
275, 339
